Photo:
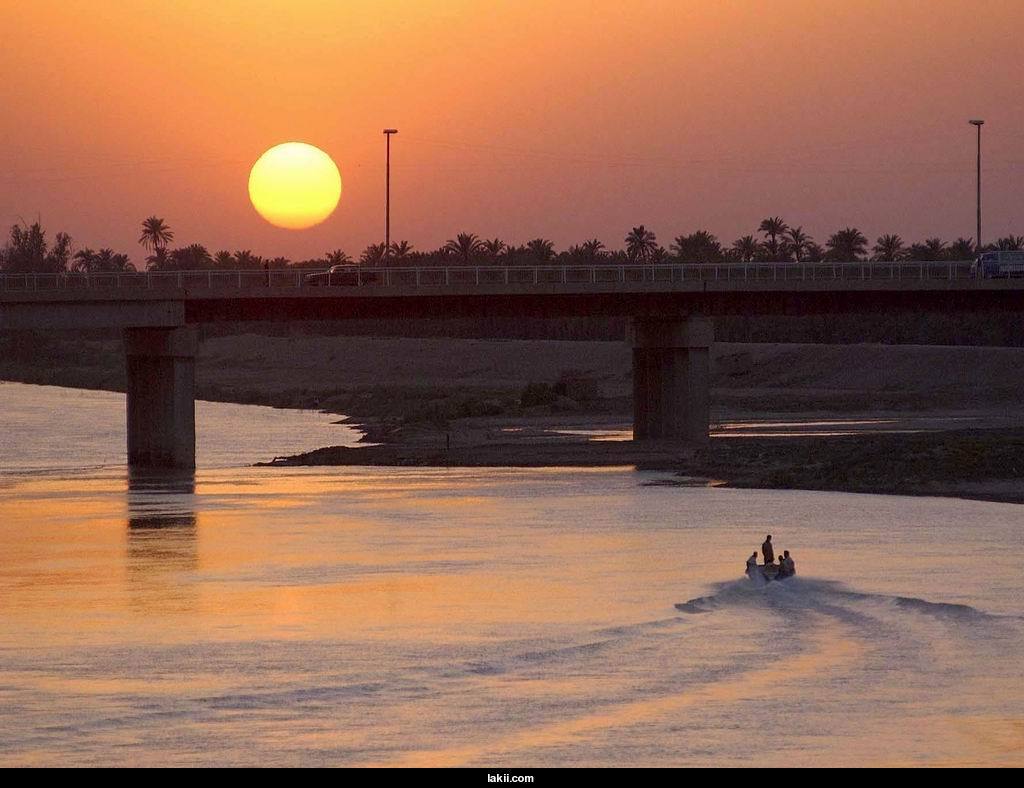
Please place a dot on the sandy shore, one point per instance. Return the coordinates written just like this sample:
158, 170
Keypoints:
944, 460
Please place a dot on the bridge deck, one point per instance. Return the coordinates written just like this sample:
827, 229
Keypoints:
178, 298
728, 275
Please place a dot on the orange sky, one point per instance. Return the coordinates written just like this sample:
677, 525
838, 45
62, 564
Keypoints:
517, 118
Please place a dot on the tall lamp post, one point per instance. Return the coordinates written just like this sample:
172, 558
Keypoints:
387, 194
977, 238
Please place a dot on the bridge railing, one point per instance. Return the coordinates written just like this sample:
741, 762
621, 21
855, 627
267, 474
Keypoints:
442, 276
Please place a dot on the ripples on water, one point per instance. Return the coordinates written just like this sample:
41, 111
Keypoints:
529, 617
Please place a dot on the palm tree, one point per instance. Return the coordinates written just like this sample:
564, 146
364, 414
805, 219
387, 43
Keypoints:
541, 248
155, 234
337, 257
84, 261
888, 248
961, 249
587, 252
641, 245
1011, 243
109, 260
699, 247
224, 259
245, 259
193, 257
813, 252
746, 248
465, 246
512, 254
936, 248
104, 261
918, 253
374, 254
400, 250
847, 245
159, 260
592, 250
931, 250
493, 248
795, 242
773, 227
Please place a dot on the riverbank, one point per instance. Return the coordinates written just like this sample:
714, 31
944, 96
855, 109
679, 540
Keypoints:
978, 464
422, 380
862, 418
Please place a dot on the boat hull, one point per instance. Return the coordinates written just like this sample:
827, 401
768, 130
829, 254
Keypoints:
772, 572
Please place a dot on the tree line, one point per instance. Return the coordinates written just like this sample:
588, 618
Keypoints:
27, 251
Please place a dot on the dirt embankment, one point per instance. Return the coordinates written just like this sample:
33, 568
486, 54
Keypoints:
983, 464
514, 402
443, 379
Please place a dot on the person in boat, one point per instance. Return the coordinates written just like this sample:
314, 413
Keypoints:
768, 551
752, 567
788, 565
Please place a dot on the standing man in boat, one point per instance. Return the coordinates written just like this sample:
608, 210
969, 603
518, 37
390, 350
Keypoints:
768, 551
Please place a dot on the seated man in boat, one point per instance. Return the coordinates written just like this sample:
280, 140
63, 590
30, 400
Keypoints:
786, 568
752, 567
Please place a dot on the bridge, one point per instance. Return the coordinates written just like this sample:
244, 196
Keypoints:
669, 306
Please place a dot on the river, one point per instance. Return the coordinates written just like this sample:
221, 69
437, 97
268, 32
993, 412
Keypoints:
487, 617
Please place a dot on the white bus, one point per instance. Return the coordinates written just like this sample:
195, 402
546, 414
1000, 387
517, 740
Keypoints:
991, 265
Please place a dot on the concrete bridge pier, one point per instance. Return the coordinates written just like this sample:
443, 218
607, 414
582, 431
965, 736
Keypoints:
671, 378
161, 367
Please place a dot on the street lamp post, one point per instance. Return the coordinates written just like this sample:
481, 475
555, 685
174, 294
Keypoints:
977, 238
387, 193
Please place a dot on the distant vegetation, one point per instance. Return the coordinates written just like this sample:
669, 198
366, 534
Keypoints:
27, 251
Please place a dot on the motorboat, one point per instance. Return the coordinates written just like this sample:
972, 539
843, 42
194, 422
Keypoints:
771, 572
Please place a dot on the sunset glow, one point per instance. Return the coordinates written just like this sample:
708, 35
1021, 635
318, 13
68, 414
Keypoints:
481, 467
565, 121
295, 185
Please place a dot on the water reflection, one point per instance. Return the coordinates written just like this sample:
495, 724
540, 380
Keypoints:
420, 616
162, 538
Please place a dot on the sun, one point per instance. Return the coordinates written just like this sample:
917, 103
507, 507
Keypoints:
294, 185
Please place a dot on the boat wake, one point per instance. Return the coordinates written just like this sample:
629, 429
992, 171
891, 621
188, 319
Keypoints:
812, 594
